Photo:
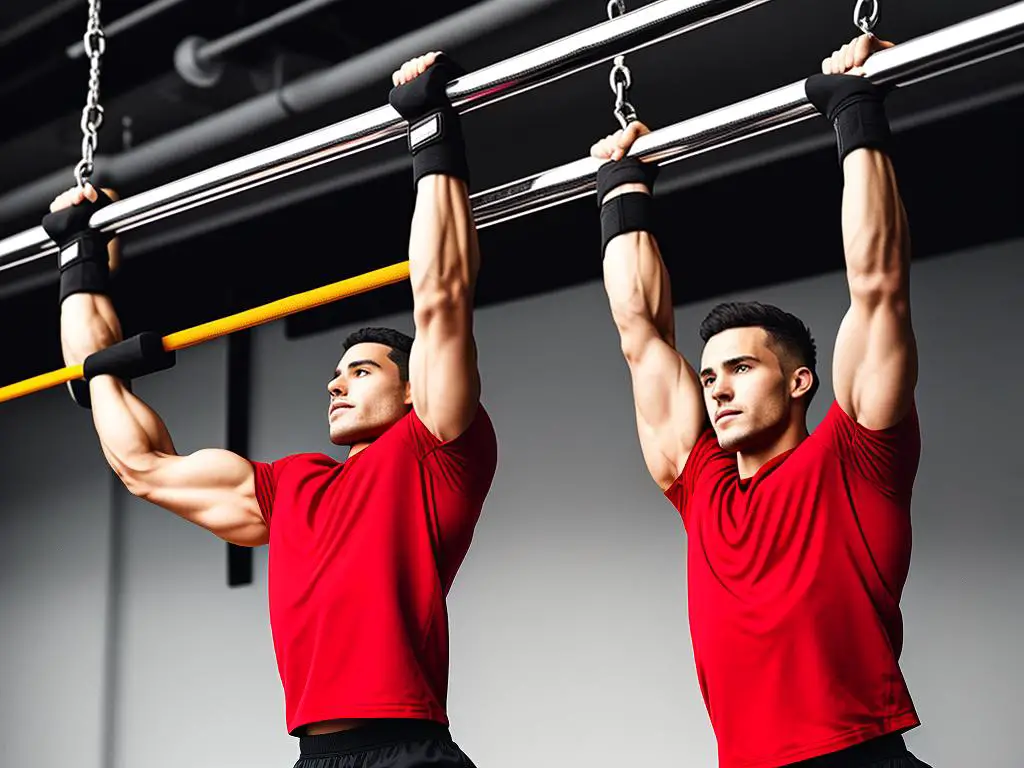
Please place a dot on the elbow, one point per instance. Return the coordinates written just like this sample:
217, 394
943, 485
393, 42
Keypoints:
879, 287
133, 472
445, 303
635, 324
634, 335
630, 310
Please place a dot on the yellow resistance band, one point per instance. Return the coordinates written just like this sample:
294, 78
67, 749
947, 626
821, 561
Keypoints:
275, 310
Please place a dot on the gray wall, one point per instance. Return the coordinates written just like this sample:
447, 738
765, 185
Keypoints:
570, 637
55, 558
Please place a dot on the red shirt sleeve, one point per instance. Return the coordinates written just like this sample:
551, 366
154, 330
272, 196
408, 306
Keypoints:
465, 464
267, 474
680, 493
887, 458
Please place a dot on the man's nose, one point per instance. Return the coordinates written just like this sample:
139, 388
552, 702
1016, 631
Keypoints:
721, 391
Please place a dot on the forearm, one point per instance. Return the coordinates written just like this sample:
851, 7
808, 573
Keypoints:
638, 286
128, 430
444, 254
874, 368
875, 231
131, 434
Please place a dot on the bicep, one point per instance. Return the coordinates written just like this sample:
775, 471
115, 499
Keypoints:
669, 408
212, 488
875, 368
443, 264
443, 373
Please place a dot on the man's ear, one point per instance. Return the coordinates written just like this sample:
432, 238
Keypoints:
801, 383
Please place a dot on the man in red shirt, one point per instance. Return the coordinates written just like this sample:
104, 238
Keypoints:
362, 553
798, 543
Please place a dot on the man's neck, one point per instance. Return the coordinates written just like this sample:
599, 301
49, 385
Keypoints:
358, 448
749, 462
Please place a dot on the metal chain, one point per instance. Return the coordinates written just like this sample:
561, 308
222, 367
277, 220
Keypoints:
92, 114
620, 79
866, 21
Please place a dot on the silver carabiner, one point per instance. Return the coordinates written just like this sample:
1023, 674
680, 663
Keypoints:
866, 22
619, 70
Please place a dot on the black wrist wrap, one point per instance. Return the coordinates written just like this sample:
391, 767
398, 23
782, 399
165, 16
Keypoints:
628, 170
435, 135
83, 258
129, 359
630, 211
856, 108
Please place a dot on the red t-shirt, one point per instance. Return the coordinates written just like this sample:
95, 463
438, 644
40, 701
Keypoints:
794, 582
362, 554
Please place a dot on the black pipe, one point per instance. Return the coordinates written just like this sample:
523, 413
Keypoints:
239, 386
217, 48
129, 20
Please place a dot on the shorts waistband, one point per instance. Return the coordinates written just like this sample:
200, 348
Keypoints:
377, 734
890, 745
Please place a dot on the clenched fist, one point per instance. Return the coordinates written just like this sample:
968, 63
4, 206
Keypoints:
88, 322
413, 68
849, 60
76, 195
615, 146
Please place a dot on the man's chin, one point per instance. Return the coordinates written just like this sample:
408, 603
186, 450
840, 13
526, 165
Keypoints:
350, 437
345, 437
732, 442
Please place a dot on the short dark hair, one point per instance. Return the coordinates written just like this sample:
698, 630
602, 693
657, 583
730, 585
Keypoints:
401, 345
784, 330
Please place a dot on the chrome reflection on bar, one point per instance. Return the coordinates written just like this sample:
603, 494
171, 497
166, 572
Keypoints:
969, 42
632, 31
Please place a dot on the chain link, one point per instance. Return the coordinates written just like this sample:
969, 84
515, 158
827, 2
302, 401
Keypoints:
620, 79
92, 114
866, 21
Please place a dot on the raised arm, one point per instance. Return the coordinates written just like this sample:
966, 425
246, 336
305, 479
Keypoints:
667, 397
443, 252
875, 365
212, 488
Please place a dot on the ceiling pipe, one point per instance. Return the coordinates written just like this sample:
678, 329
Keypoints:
126, 22
200, 62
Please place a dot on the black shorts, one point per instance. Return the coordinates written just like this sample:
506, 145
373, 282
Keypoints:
384, 744
884, 752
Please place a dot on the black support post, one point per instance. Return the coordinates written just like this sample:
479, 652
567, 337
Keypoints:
239, 387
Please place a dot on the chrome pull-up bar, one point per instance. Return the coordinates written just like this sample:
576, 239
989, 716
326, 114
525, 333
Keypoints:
969, 42
957, 46
638, 29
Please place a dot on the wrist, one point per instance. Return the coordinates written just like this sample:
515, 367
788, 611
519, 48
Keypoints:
623, 189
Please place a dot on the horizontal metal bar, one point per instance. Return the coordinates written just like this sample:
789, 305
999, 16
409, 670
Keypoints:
629, 32
969, 42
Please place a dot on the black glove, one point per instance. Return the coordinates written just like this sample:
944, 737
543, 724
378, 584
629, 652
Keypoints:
83, 259
435, 131
856, 108
629, 212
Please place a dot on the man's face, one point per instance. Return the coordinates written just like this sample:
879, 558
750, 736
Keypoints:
746, 389
367, 395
